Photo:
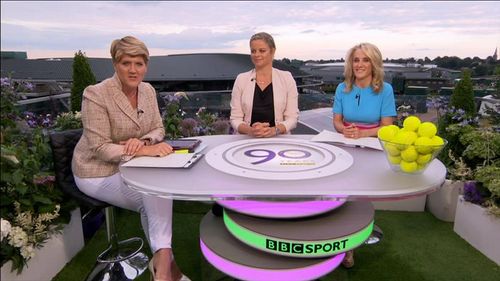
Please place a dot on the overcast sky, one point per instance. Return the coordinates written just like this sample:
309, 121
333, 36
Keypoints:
302, 30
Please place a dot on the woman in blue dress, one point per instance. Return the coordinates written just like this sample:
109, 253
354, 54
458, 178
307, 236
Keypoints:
363, 102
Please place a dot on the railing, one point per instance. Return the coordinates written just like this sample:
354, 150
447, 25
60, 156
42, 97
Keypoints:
214, 101
52, 104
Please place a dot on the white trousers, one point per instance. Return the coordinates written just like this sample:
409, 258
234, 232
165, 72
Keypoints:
156, 212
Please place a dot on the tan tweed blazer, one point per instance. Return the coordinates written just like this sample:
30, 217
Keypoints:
108, 118
285, 96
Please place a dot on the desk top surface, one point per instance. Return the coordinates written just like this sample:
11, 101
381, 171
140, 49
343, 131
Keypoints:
369, 178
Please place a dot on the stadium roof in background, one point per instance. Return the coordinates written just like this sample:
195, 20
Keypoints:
184, 67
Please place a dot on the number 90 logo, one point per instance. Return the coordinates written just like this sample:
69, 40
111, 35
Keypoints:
268, 155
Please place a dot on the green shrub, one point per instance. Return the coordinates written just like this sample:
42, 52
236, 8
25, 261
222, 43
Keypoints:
82, 77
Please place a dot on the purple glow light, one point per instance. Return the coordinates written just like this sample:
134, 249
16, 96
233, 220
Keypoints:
274, 209
248, 273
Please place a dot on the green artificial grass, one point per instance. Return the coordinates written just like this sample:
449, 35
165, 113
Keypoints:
415, 246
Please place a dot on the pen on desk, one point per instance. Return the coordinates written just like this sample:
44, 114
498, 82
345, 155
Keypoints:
181, 151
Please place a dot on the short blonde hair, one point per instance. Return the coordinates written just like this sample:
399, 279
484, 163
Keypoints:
266, 37
373, 53
128, 45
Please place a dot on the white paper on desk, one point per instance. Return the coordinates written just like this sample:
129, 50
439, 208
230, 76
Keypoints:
174, 160
336, 138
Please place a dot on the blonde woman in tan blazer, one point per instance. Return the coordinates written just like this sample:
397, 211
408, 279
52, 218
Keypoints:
264, 101
121, 120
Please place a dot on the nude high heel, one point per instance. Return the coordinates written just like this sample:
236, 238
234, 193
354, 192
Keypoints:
348, 261
152, 275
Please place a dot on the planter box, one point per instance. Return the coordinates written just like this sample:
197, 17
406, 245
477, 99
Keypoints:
478, 228
442, 203
53, 256
415, 204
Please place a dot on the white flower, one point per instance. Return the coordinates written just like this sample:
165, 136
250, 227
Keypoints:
5, 228
181, 94
27, 252
11, 157
18, 237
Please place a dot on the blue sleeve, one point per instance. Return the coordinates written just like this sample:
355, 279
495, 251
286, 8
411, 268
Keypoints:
337, 100
388, 104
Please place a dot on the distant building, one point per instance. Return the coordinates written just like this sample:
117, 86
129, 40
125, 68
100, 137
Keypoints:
187, 72
13, 55
401, 76
495, 55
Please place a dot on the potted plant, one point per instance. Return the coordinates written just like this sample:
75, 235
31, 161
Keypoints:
477, 217
459, 111
32, 210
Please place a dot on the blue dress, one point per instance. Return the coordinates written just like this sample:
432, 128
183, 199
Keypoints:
363, 105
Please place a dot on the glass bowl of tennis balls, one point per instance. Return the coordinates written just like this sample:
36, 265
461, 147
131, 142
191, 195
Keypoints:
411, 148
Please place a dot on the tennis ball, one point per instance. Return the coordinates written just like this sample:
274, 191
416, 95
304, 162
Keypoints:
437, 142
411, 123
394, 159
404, 138
427, 129
392, 149
394, 128
409, 154
386, 133
423, 159
408, 167
423, 145
420, 166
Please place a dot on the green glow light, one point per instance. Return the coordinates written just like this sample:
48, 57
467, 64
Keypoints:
296, 248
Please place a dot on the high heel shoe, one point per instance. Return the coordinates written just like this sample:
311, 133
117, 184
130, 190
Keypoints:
348, 261
152, 275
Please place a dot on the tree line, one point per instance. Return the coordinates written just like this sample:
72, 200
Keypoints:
478, 66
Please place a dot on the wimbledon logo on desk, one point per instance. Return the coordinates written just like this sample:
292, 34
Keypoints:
278, 159
294, 248
289, 156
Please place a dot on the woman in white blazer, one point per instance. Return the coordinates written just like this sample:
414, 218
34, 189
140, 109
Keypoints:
264, 100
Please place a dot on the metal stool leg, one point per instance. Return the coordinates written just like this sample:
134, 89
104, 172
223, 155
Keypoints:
376, 235
122, 260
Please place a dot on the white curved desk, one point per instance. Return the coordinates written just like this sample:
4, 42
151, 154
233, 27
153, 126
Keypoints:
369, 178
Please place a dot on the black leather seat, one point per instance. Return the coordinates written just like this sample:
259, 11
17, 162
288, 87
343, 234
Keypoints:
120, 256
62, 144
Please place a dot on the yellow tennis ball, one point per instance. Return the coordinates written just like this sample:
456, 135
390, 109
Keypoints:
408, 167
427, 129
386, 133
437, 142
394, 128
413, 136
411, 123
423, 145
392, 149
404, 138
394, 159
421, 166
409, 154
423, 159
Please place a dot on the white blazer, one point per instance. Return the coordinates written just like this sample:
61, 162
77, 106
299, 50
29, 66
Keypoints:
285, 97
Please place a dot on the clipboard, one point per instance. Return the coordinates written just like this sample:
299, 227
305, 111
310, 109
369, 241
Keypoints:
175, 161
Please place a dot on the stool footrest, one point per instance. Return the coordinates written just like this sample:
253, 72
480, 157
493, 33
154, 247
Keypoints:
125, 250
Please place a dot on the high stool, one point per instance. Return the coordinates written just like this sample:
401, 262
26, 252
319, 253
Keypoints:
122, 260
